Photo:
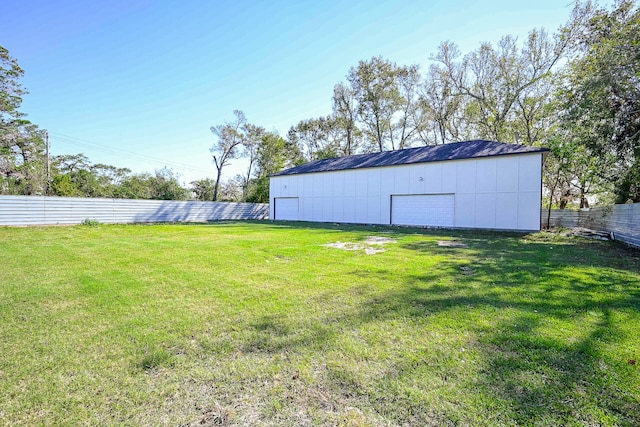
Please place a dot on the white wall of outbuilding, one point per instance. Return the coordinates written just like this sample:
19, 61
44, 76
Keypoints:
501, 192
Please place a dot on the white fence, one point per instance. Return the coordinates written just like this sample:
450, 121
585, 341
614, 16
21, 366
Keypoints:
38, 210
622, 220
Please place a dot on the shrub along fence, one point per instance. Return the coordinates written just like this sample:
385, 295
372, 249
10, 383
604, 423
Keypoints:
621, 220
40, 210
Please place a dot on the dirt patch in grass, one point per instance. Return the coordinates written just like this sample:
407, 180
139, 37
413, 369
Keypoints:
379, 240
452, 244
371, 245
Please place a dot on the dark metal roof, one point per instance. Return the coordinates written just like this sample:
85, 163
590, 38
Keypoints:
436, 153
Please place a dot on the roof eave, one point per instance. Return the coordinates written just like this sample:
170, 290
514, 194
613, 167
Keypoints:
543, 151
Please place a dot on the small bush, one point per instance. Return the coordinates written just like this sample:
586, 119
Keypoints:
91, 222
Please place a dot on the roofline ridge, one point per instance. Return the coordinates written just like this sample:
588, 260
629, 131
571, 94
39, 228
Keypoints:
357, 160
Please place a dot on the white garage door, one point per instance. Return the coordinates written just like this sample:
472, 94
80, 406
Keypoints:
423, 209
286, 208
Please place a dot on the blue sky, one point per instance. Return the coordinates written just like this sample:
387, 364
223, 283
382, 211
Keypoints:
138, 83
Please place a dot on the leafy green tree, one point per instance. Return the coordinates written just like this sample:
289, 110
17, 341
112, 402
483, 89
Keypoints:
375, 88
11, 89
73, 177
135, 186
203, 189
571, 173
162, 185
22, 147
601, 96
251, 144
64, 186
22, 159
109, 176
165, 185
274, 154
316, 138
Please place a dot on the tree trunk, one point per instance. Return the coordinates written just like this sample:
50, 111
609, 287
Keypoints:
551, 191
215, 188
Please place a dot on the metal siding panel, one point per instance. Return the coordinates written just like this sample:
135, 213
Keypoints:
350, 183
316, 209
362, 182
507, 174
338, 184
317, 185
307, 209
416, 179
507, 211
361, 210
373, 210
528, 211
465, 212
20, 210
449, 177
349, 209
327, 209
373, 185
386, 181
485, 210
338, 209
284, 188
385, 209
622, 220
529, 172
466, 177
327, 184
486, 171
401, 180
433, 178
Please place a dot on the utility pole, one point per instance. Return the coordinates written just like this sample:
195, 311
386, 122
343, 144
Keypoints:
47, 188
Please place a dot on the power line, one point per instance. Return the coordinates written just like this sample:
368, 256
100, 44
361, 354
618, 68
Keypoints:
148, 159
78, 141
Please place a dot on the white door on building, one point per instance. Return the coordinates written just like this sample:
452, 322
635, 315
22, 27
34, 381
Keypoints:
435, 210
286, 208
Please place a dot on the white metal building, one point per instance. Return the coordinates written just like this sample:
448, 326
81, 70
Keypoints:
473, 184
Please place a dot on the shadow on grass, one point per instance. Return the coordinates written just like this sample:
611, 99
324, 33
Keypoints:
393, 229
273, 334
545, 375
545, 319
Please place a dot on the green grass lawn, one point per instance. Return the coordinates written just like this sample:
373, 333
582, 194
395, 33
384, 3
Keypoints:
257, 323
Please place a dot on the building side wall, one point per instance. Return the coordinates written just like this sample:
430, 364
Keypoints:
496, 192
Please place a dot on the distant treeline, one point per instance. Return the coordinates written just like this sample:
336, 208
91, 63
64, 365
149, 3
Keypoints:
574, 91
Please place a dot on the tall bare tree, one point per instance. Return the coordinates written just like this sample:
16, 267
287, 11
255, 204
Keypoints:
345, 112
231, 137
500, 89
